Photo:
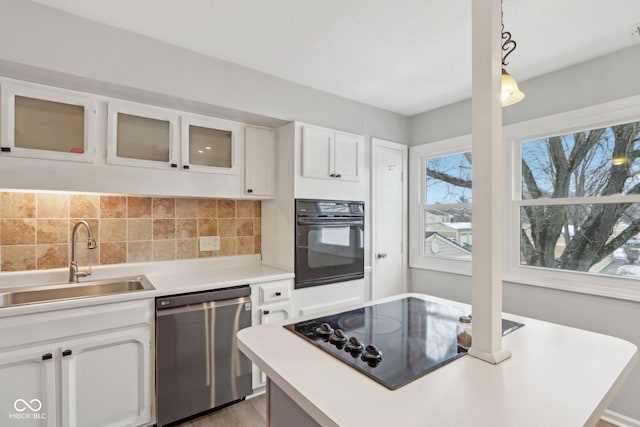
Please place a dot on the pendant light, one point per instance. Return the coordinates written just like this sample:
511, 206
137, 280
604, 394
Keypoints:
511, 94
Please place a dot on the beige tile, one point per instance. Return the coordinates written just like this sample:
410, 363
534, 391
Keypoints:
52, 231
113, 230
207, 254
164, 208
186, 249
52, 256
245, 245
227, 227
244, 227
207, 227
164, 229
139, 229
257, 208
257, 244
86, 256
226, 208
113, 206
164, 250
84, 206
207, 208
113, 253
139, 251
228, 246
186, 228
186, 208
52, 205
18, 258
18, 231
138, 207
257, 226
244, 208
17, 205
81, 234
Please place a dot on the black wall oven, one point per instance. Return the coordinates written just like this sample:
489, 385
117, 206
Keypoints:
329, 242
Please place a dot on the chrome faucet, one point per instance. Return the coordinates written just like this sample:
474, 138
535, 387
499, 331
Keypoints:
74, 274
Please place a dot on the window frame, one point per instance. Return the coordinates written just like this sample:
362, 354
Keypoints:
418, 155
594, 117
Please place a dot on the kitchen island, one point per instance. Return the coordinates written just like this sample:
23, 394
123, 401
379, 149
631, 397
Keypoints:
557, 376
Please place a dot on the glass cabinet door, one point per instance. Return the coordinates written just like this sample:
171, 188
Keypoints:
209, 145
47, 123
141, 136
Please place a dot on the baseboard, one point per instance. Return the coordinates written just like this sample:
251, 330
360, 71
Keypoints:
619, 419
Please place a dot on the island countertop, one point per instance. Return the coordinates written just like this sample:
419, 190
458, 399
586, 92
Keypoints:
557, 375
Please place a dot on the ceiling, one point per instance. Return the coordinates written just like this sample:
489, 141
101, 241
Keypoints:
406, 56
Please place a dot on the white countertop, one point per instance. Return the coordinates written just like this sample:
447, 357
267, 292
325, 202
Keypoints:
168, 278
557, 376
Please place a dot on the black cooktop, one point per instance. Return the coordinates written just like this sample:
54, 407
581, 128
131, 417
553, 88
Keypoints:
394, 342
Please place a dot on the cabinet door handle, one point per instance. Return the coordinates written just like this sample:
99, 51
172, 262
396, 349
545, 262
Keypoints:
338, 175
185, 166
66, 353
47, 356
5, 149
333, 175
278, 294
265, 311
174, 165
249, 190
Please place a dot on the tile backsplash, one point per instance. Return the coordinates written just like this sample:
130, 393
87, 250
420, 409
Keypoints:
36, 228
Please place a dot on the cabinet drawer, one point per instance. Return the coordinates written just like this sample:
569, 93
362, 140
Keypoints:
280, 291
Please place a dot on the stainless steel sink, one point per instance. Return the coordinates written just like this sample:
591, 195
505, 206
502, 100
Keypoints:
40, 294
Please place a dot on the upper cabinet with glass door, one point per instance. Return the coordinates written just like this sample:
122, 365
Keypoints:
210, 145
142, 135
46, 123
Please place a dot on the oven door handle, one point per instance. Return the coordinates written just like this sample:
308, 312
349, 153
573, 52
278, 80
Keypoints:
334, 223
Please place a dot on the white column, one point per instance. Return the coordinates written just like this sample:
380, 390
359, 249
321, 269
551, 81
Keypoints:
486, 280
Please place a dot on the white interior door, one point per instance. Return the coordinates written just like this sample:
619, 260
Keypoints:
389, 218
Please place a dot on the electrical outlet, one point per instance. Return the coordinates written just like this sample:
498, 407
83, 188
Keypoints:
209, 243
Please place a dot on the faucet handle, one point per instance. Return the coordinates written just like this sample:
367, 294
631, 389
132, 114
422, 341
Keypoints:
84, 273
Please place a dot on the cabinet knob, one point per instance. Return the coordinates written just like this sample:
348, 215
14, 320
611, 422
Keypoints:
5, 149
338, 175
333, 175
249, 190
47, 356
265, 311
185, 166
174, 165
278, 294
66, 353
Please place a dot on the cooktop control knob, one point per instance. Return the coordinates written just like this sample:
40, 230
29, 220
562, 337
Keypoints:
372, 354
324, 330
354, 345
338, 337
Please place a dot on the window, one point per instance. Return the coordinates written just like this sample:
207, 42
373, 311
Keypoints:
580, 201
442, 239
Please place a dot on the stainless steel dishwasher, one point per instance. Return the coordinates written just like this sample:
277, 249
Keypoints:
198, 363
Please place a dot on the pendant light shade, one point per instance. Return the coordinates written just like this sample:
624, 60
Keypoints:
511, 94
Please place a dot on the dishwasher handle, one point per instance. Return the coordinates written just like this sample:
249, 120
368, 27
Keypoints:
173, 301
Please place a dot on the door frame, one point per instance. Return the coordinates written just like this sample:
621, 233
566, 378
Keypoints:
375, 143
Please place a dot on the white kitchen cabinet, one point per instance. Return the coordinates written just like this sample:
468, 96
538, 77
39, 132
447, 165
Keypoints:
271, 303
28, 392
329, 154
46, 123
108, 367
142, 135
79, 367
260, 161
210, 145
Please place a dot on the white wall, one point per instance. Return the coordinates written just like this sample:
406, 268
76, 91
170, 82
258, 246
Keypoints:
604, 79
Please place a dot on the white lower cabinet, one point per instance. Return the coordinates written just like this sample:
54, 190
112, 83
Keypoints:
97, 372
271, 304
